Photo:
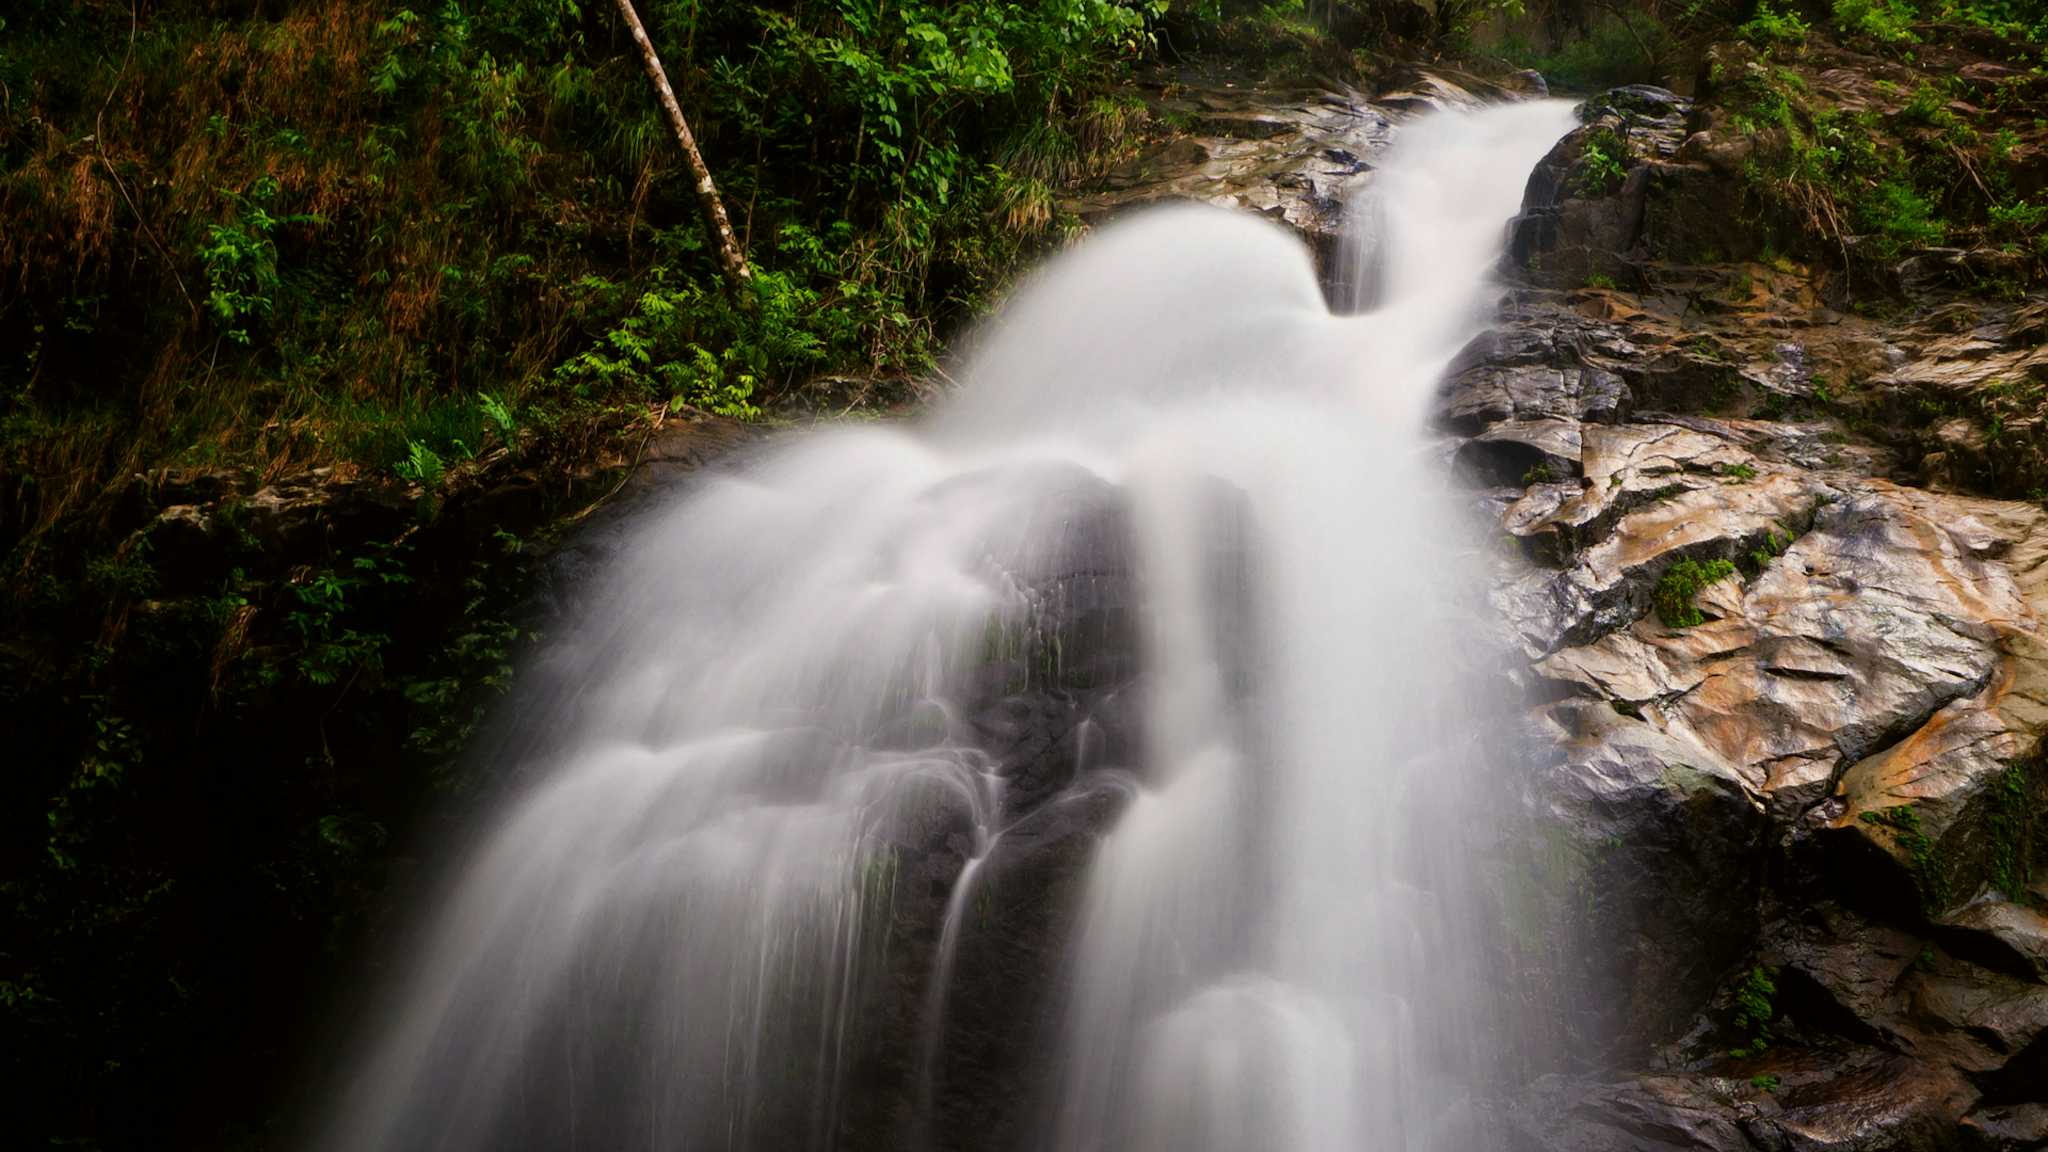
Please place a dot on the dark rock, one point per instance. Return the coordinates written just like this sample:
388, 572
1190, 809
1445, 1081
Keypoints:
1490, 394
2009, 1128
1652, 869
2010, 935
1650, 1114
1510, 451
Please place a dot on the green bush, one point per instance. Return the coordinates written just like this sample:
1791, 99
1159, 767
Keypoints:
1603, 164
1886, 21
1771, 27
1681, 585
1900, 217
1755, 1011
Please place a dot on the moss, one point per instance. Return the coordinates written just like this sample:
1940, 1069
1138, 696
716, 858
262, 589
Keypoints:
2011, 828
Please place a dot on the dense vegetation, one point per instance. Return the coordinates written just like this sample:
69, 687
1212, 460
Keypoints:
325, 231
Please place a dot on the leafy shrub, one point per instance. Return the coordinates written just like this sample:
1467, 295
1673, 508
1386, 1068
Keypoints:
1681, 585
499, 412
1900, 217
1771, 27
1903, 822
1886, 21
1603, 164
240, 259
1928, 106
1755, 1010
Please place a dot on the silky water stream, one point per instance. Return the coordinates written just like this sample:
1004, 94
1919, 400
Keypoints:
1173, 599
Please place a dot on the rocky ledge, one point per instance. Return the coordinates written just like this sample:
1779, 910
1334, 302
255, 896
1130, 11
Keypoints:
1787, 673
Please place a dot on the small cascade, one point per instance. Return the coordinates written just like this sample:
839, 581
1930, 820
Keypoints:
1148, 641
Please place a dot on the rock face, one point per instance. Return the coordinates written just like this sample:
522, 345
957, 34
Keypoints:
1294, 157
1790, 812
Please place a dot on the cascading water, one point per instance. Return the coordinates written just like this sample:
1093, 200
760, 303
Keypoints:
731, 912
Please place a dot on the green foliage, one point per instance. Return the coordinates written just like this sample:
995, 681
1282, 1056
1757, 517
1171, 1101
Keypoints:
1886, 21
332, 647
1736, 472
1929, 106
123, 574
1771, 27
1903, 823
1764, 1082
1603, 164
422, 466
2025, 20
1900, 217
240, 259
662, 347
1537, 474
1836, 169
499, 412
1774, 547
473, 669
1755, 1011
1681, 585
1624, 47
343, 225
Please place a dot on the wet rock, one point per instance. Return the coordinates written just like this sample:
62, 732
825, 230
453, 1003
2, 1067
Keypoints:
2006, 933
1522, 451
1857, 634
1577, 221
1864, 1100
1881, 1102
1295, 158
2009, 1128
1653, 866
1610, 584
1650, 1114
1726, 155
1492, 394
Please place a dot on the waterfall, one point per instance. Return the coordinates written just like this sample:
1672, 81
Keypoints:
1171, 597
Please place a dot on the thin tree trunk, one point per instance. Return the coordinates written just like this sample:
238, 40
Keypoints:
730, 259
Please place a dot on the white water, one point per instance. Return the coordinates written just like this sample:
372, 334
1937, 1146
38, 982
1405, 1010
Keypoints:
674, 939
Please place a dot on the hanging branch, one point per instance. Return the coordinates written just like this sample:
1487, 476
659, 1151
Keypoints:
730, 259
